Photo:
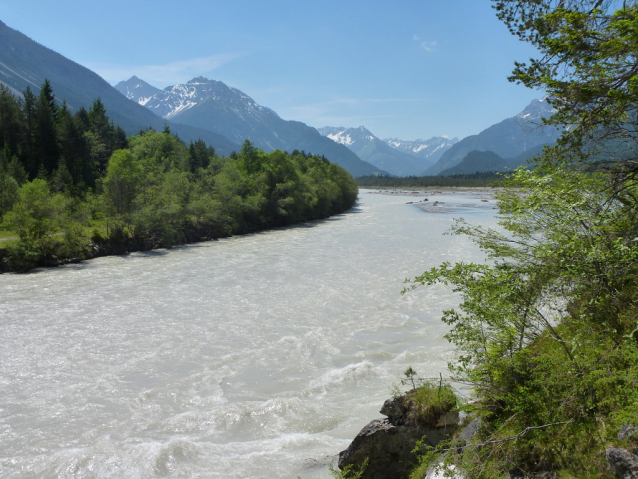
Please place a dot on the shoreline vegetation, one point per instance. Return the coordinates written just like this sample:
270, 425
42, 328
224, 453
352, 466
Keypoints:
478, 179
74, 187
546, 332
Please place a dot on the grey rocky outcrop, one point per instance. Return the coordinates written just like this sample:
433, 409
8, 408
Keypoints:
388, 443
627, 431
623, 463
464, 438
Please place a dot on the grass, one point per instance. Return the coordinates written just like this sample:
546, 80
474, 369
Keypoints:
7, 234
429, 402
7, 237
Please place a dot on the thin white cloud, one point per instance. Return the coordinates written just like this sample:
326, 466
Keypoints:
163, 75
427, 46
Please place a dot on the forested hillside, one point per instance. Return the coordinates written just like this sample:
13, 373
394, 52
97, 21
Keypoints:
73, 186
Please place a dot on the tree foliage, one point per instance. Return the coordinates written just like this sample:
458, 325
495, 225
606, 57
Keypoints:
546, 331
142, 192
588, 68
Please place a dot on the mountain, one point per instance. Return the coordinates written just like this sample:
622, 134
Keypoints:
482, 161
24, 62
430, 150
509, 138
478, 161
213, 105
137, 90
375, 151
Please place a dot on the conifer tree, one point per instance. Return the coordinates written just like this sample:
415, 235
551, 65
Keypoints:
10, 121
46, 138
73, 147
98, 120
29, 114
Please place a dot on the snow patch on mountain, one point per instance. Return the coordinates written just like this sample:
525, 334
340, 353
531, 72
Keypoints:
341, 138
431, 149
175, 100
536, 111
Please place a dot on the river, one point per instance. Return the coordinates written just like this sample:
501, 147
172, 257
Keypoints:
258, 356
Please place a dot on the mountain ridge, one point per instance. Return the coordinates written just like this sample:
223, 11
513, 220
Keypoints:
24, 62
508, 138
375, 151
227, 111
431, 149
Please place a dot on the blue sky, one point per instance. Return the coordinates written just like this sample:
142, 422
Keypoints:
406, 69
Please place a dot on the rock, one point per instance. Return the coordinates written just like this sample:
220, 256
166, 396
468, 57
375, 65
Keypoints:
469, 431
623, 463
448, 419
388, 448
395, 409
627, 431
388, 443
464, 438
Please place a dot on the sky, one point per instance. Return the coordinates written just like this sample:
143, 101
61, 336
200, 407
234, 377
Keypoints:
403, 69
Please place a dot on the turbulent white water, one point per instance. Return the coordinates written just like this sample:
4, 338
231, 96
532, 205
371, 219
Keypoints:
258, 356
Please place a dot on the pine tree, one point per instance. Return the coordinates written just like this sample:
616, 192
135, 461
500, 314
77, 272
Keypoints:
46, 92
10, 121
46, 138
73, 147
29, 114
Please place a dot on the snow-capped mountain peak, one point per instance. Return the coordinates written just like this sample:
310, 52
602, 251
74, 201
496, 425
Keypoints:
347, 136
137, 90
536, 111
431, 149
214, 106
395, 156
176, 99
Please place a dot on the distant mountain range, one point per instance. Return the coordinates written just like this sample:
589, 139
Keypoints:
508, 139
378, 152
24, 62
191, 110
431, 150
213, 105
224, 117
481, 161
503, 146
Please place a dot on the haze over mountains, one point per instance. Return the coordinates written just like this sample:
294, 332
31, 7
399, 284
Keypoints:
225, 110
213, 105
431, 149
503, 146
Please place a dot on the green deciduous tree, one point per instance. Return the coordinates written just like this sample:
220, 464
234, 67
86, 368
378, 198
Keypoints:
37, 213
122, 182
546, 331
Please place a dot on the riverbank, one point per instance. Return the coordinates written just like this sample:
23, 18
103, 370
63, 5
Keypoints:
145, 200
13, 256
442, 200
